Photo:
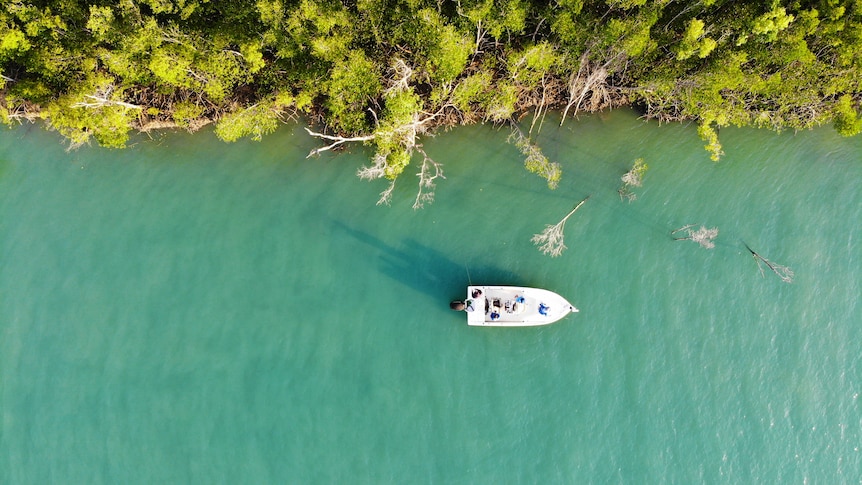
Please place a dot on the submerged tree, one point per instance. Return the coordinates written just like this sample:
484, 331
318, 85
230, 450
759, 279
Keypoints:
428, 173
550, 241
702, 236
783, 272
536, 161
633, 178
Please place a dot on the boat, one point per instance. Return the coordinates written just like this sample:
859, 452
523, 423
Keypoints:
512, 306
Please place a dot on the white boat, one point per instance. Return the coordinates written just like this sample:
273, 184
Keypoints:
512, 306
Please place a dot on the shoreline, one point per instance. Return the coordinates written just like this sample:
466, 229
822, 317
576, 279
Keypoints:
385, 74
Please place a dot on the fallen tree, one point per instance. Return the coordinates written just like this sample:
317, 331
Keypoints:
552, 240
702, 235
783, 272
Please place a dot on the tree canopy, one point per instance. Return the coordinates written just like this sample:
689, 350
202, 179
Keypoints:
97, 69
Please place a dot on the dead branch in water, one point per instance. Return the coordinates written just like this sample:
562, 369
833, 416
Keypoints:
551, 240
535, 161
783, 272
632, 178
702, 236
426, 179
336, 141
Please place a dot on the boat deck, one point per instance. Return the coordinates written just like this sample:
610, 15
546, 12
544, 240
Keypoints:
503, 306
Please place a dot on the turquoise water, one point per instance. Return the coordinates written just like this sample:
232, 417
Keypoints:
186, 311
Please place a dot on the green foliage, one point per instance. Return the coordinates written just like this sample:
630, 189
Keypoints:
497, 17
774, 64
29, 90
768, 25
630, 35
626, 4
217, 73
13, 41
126, 67
638, 171
444, 47
472, 91
501, 102
321, 28
530, 65
353, 83
171, 65
303, 99
395, 136
185, 112
707, 133
846, 119
695, 41
101, 21
402, 107
396, 162
252, 55
79, 118
254, 122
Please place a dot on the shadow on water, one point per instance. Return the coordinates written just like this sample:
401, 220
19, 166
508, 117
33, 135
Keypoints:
425, 269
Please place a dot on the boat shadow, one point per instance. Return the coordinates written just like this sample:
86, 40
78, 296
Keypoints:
425, 269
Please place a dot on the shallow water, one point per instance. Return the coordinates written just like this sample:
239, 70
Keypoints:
187, 311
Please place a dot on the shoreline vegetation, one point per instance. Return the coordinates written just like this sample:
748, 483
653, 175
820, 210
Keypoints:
385, 72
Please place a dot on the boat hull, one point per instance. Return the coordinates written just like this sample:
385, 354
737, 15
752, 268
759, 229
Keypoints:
514, 306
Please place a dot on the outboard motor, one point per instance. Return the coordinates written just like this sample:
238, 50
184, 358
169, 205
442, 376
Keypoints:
458, 305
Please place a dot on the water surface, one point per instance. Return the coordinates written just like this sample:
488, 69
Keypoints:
188, 311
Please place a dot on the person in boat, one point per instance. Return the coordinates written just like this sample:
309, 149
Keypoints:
477, 293
495, 315
543, 309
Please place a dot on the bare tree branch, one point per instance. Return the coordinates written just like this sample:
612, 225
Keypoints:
542, 108
426, 179
551, 240
397, 140
337, 140
588, 79
386, 195
376, 170
402, 73
702, 236
102, 98
632, 178
783, 272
